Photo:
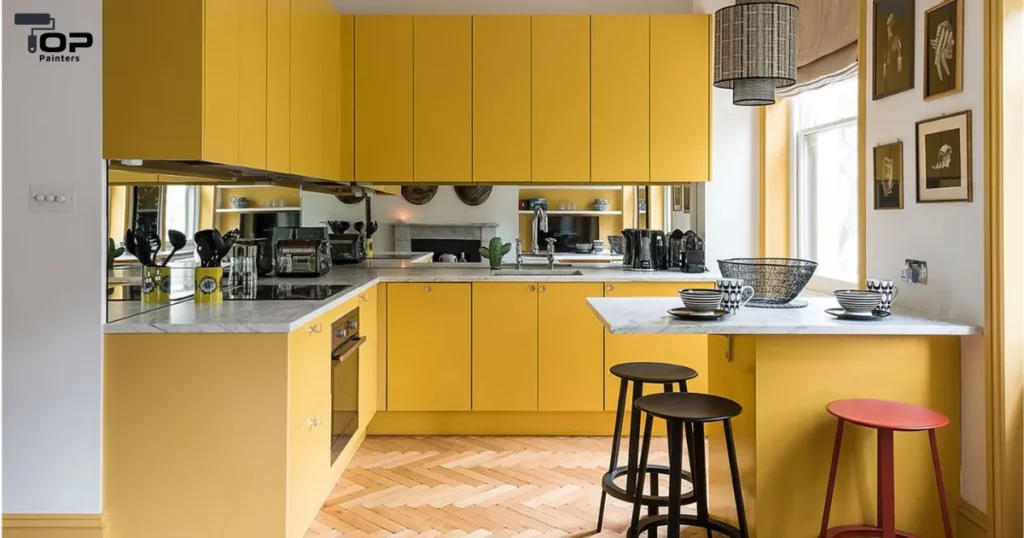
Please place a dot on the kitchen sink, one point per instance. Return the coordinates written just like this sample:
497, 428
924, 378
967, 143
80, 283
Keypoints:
538, 271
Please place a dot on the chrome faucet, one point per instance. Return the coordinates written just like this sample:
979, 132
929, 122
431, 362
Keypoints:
540, 222
551, 253
519, 253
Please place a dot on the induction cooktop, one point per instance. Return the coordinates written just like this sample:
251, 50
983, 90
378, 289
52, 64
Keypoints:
257, 292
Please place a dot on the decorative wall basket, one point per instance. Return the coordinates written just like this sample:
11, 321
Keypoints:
418, 195
473, 196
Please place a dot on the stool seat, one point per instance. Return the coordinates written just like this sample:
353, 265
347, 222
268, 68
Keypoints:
688, 406
888, 415
653, 372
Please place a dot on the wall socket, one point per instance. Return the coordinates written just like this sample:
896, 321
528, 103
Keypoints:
916, 272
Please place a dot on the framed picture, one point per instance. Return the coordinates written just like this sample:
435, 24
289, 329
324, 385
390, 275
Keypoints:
686, 197
894, 40
677, 198
889, 176
944, 48
944, 159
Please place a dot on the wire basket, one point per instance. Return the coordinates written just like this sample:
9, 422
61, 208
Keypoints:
776, 281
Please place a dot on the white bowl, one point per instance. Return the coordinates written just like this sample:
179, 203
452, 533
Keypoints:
858, 301
701, 300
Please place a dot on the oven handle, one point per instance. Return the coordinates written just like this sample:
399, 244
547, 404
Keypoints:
345, 350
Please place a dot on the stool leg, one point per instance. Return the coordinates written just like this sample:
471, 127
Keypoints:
700, 476
634, 439
616, 440
645, 450
668, 387
832, 478
653, 509
675, 470
691, 442
734, 468
886, 485
942, 487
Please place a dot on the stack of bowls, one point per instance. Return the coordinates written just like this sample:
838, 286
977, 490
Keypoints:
701, 300
858, 301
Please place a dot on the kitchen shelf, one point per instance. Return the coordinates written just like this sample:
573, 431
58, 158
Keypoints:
245, 186
585, 212
260, 210
571, 187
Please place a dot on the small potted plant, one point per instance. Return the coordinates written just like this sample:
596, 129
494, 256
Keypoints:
495, 252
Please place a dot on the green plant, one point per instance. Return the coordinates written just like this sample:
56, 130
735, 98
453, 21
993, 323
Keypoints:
495, 251
113, 251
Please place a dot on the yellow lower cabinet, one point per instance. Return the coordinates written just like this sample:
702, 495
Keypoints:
309, 367
429, 332
571, 351
504, 346
309, 469
685, 349
368, 356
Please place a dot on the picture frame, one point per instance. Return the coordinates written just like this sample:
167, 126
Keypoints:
677, 198
894, 47
889, 182
687, 188
944, 159
943, 49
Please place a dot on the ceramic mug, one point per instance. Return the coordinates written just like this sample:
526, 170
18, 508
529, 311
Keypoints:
735, 294
156, 284
888, 290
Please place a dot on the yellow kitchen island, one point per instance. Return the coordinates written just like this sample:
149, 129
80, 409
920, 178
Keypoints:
783, 367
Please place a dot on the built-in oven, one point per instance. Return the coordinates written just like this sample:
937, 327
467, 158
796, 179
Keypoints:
345, 342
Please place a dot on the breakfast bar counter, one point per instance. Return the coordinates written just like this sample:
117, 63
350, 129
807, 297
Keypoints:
783, 366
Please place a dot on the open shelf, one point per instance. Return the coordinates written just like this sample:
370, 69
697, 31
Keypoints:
573, 212
571, 187
260, 210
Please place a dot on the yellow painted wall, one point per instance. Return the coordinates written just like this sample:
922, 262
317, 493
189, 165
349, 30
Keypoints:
775, 179
117, 212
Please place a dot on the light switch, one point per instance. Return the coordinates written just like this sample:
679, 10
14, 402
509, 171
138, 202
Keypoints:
53, 198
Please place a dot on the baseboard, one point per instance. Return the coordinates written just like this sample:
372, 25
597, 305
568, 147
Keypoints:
539, 423
970, 521
54, 526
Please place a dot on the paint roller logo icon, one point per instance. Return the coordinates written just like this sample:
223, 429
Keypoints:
44, 36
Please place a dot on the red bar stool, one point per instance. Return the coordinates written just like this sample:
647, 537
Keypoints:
886, 417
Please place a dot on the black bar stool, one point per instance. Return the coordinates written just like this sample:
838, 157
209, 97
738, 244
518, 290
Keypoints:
639, 373
688, 413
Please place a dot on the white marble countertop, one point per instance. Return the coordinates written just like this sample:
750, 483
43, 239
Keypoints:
648, 316
286, 316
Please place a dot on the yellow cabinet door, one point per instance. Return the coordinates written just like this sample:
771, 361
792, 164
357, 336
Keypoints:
680, 98
443, 98
429, 331
332, 25
307, 88
571, 363
279, 85
561, 99
686, 349
309, 368
504, 346
252, 85
309, 466
368, 356
383, 89
221, 53
620, 99
501, 98
345, 145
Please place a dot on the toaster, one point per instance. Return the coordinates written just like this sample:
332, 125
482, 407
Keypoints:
302, 257
348, 248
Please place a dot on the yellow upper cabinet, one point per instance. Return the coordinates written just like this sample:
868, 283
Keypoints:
501, 98
252, 84
680, 98
345, 145
383, 95
307, 88
221, 58
443, 98
337, 95
620, 98
279, 61
561, 99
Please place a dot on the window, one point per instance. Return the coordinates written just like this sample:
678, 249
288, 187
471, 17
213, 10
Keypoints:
825, 182
182, 210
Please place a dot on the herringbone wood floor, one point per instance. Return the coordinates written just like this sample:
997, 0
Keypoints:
477, 486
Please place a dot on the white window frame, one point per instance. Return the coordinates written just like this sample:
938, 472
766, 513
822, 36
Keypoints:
192, 213
800, 191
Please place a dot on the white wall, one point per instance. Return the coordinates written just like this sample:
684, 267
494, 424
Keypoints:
53, 296
949, 236
445, 208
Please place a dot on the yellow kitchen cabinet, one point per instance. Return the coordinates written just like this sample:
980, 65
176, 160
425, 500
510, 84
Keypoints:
501, 98
429, 332
382, 347
686, 349
384, 98
561, 99
307, 88
335, 30
620, 109
279, 61
571, 350
309, 466
309, 367
504, 346
252, 84
368, 303
680, 98
443, 98
345, 144
174, 80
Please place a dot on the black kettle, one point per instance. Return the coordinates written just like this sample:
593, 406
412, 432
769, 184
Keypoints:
659, 251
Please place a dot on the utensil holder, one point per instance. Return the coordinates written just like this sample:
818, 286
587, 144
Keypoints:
156, 285
208, 285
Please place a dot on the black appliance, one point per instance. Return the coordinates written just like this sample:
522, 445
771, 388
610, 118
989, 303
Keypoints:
693, 253
347, 248
345, 341
284, 292
569, 230
659, 250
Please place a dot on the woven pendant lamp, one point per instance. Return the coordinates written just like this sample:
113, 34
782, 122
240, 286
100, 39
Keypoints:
755, 50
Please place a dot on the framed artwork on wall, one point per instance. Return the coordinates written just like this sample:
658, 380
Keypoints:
894, 40
944, 48
888, 184
677, 198
944, 159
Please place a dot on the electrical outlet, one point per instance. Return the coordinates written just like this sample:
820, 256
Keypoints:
915, 272
53, 198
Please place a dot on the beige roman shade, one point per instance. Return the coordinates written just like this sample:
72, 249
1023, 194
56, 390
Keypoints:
827, 43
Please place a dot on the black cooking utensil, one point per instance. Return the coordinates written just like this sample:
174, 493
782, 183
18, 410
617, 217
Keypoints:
143, 250
359, 227
155, 244
229, 240
344, 226
129, 242
205, 247
177, 241
371, 228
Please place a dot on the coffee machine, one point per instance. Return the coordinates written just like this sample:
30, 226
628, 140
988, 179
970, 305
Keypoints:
644, 250
693, 260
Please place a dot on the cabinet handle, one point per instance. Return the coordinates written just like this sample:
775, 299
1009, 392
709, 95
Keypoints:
315, 328
610, 287
363, 299
543, 288
314, 422
428, 289
532, 287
